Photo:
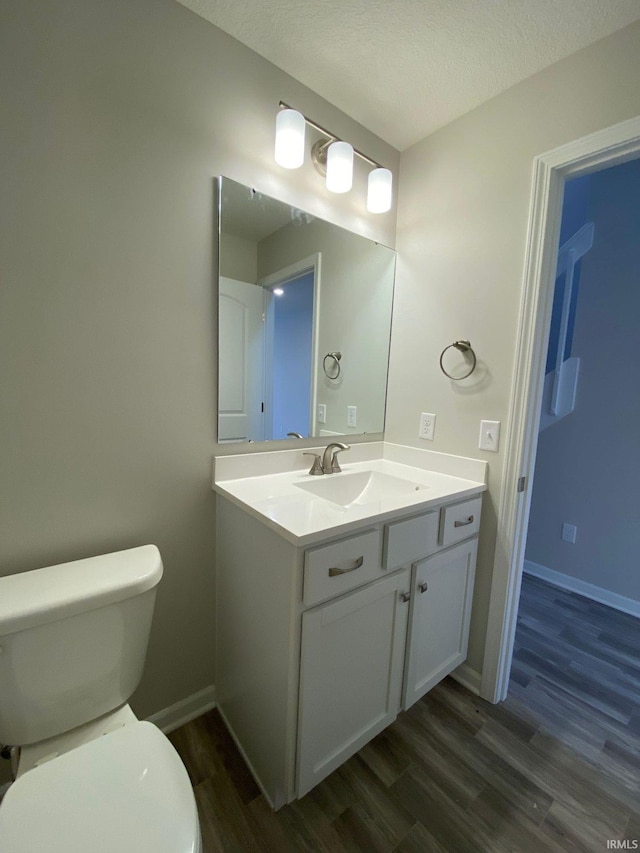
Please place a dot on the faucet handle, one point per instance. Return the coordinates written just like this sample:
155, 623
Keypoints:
335, 465
316, 468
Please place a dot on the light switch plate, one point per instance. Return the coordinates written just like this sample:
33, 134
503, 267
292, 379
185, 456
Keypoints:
352, 416
322, 413
489, 435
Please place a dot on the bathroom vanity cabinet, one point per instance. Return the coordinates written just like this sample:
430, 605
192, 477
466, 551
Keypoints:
320, 645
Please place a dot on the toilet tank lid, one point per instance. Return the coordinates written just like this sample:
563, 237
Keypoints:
56, 592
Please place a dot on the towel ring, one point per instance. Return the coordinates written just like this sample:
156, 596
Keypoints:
464, 347
335, 356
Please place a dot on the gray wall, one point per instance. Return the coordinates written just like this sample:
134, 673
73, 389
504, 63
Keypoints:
115, 119
462, 226
238, 258
588, 464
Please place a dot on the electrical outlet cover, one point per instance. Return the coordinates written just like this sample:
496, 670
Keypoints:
427, 427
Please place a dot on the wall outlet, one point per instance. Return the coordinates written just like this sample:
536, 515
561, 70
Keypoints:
569, 532
352, 416
489, 435
322, 413
427, 426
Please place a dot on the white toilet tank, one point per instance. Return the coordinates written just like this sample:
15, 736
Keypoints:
73, 639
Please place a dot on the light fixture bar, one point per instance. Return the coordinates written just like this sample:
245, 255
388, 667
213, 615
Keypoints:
331, 136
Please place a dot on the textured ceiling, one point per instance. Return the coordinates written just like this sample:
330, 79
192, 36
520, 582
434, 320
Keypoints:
403, 68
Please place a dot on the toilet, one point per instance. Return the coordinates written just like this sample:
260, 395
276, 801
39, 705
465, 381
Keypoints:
89, 775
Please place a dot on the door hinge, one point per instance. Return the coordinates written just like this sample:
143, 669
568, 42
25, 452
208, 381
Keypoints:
522, 484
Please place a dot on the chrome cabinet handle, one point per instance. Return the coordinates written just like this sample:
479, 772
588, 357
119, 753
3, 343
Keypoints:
463, 523
423, 587
405, 596
356, 565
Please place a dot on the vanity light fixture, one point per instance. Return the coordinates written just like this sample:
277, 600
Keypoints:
379, 191
339, 167
290, 128
332, 158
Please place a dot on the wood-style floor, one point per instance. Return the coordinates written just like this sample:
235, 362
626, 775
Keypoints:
554, 768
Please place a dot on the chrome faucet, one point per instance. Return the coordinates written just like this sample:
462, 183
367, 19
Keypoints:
330, 457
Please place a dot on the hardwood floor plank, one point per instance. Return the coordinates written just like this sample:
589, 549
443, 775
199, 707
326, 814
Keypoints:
506, 826
590, 835
562, 775
632, 833
599, 784
563, 715
270, 829
359, 831
310, 828
420, 840
387, 756
223, 818
371, 799
445, 818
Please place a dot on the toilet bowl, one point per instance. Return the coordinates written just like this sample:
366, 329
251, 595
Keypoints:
90, 776
127, 791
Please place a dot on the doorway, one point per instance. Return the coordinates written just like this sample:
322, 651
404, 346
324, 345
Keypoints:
289, 356
583, 532
292, 317
612, 146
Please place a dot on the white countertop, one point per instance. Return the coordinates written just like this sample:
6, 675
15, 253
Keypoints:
274, 495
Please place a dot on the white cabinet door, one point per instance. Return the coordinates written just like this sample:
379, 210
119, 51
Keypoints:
350, 674
441, 594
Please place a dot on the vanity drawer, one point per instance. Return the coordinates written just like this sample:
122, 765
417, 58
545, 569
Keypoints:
340, 566
410, 540
459, 521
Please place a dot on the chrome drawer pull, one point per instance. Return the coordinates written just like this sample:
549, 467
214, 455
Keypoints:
356, 565
463, 523
423, 587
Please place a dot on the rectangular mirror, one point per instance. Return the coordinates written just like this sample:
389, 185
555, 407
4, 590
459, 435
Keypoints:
304, 325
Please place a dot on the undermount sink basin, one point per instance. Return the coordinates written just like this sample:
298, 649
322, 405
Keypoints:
363, 487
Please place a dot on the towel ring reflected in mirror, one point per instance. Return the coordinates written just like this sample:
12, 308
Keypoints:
463, 347
332, 370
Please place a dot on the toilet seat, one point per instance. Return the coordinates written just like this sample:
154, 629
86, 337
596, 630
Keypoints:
126, 791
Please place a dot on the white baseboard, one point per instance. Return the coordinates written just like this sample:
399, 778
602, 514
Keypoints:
589, 590
468, 677
185, 710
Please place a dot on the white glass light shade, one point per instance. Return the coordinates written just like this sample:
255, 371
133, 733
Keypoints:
379, 191
339, 167
290, 127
